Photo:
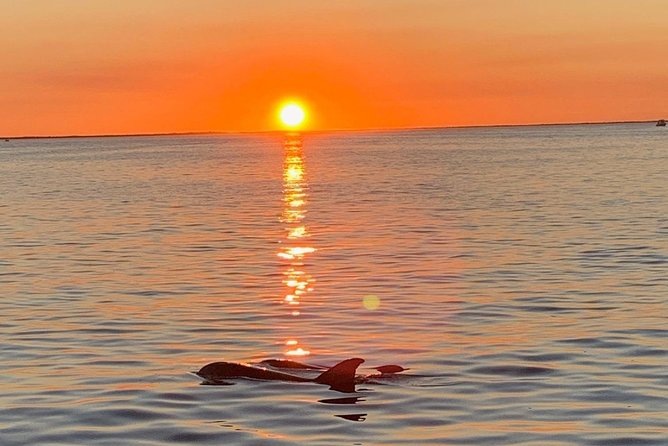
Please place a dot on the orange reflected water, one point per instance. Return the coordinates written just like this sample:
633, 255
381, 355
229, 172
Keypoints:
518, 272
296, 245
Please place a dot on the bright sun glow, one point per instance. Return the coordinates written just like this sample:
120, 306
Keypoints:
292, 114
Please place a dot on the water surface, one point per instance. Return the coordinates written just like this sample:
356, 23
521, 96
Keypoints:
520, 272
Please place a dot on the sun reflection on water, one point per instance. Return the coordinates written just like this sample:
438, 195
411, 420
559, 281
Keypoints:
295, 246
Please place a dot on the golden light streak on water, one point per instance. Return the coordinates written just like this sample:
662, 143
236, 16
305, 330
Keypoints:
298, 352
298, 232
293, 249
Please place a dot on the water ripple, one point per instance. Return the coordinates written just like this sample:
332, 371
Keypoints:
519, 273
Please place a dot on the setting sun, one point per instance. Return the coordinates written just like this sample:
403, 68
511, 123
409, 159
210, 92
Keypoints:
292, 114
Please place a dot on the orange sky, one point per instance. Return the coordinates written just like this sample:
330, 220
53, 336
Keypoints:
142, 66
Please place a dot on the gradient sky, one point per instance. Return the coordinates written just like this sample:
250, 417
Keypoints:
142, 66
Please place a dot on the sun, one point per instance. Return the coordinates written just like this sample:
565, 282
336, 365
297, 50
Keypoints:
292, 114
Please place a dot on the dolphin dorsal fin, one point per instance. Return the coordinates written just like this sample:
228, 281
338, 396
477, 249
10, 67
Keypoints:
341, 377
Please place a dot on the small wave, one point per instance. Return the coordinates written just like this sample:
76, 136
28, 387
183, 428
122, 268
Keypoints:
512, 370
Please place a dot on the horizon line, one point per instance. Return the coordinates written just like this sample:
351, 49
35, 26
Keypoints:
342, 130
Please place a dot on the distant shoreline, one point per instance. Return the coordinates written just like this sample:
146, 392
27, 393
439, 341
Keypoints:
398, 129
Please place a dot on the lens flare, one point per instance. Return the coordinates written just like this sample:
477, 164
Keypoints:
371, 302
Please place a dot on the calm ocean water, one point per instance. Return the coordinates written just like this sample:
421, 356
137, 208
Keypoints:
521, 274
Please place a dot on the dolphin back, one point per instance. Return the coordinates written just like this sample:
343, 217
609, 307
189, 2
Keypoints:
218, 371
341, 377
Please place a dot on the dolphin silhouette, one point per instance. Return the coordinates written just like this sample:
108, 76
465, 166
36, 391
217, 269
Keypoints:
340, 377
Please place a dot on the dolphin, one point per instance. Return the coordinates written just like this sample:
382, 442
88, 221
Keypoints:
340, 377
